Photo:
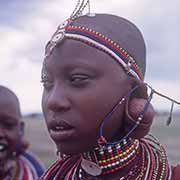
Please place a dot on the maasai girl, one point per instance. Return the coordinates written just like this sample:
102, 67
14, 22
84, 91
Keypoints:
95, 102
15, 162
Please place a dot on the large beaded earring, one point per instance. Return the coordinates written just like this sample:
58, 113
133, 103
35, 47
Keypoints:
139, 111
133, 109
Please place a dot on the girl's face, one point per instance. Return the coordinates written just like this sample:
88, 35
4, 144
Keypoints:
81, 85
9, 127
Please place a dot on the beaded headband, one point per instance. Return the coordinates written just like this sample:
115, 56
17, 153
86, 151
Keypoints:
96, 40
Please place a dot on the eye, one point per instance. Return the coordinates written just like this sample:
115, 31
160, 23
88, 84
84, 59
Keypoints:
47, 84
79, 79
45, 78
9, 125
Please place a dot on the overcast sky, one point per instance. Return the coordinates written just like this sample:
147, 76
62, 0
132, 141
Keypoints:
25, 27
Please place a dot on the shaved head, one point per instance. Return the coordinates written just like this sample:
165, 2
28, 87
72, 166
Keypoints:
8, 97
120, 30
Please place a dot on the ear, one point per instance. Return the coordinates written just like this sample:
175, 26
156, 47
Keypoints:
133, 109
21, 129
22, 144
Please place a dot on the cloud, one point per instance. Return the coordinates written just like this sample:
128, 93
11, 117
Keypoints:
167, 88
24, 80
30, 24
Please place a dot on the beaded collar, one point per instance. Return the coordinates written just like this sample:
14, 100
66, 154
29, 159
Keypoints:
109, 159
96, 40
143, 159
12, 170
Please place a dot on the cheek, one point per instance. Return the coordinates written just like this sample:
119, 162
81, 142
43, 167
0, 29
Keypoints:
94, 110
44, 103
47, 113
13, 137
113, 125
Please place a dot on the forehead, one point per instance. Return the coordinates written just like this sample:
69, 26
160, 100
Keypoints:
75, 53
9, 106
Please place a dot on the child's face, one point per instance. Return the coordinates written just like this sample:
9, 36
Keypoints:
9, 126
81, 85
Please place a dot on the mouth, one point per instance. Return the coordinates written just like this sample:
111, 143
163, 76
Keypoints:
61, 131
3, 150
3, 147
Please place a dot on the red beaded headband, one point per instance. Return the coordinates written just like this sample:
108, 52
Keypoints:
97, 40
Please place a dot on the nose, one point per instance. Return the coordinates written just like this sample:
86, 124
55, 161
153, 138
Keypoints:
58, 100
2, 132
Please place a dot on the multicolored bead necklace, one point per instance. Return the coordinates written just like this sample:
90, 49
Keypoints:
12, 170
112, 158
149, 162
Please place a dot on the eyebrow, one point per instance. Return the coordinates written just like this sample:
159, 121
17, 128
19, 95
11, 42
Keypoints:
8, 116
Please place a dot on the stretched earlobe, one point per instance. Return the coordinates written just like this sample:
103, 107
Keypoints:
22, 143
133, 108
21, 130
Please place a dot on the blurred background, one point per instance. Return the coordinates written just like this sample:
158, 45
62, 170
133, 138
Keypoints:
25, 27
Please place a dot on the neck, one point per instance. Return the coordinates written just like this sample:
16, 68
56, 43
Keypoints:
107, 160
133, 159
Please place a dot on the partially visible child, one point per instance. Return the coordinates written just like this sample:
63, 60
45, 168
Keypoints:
15, 162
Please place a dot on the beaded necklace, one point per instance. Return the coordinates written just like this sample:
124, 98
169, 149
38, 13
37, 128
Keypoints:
13, 171
131, 165
152, 165
113, 157
149, 162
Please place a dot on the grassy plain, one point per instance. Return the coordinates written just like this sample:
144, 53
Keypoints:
42, 145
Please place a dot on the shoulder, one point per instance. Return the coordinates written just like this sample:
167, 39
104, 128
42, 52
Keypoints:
176, 172
33, 163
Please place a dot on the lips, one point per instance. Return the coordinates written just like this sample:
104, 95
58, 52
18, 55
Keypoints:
3, 147
60, 130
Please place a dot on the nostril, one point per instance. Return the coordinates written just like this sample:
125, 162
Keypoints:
57, 99
58, 108
58, 104
2, 133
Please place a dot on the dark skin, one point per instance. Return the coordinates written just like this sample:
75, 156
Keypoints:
9, 128
82, 84
76, 91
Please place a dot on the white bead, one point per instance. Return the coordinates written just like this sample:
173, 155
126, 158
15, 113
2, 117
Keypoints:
140, 118
113, 164
91, 14
101, 152
63, 25
57, 37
